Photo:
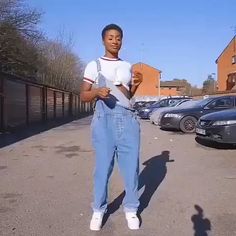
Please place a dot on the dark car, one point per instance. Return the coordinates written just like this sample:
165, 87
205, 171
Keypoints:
139, 105
145, 112
218, 126
186, 119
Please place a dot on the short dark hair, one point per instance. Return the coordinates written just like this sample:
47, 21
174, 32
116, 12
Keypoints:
112, 27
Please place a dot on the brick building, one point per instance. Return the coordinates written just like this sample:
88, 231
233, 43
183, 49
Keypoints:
226, 67
151, 80
173, 88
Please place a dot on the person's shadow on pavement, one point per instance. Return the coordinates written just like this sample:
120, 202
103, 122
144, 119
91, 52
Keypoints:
200, 224
150, 178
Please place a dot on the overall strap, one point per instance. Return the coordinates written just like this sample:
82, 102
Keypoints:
118, 93
99, 68
120, 87
97, 79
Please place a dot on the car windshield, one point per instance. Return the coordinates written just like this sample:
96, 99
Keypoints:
204, 102
155, 103
148, 104
178, 103
191, 103
173, 103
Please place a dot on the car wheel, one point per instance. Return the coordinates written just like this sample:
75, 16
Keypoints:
188, 124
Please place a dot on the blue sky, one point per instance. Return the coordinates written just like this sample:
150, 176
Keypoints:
182, 38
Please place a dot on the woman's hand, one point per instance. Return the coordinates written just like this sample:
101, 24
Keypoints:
103, 92
136, 81
137, 78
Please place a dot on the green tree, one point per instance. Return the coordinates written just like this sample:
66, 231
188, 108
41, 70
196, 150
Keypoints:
209, 85
59, 66
18, 38
26, 53
186, 86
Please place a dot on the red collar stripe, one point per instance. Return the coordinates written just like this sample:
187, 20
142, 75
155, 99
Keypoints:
110, 59
88, 80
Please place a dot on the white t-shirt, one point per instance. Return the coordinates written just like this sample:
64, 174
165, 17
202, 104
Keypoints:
115, 70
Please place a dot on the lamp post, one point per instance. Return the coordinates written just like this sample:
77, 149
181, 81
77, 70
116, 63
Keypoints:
159, 86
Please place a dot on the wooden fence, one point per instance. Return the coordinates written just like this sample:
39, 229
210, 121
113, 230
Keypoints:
23, 103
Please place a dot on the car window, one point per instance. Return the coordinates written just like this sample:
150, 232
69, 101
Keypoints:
163, 103
189, 103
174, 102
204, 102
221, 103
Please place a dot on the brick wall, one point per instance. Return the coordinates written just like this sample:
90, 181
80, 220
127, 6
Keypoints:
224, 64
170, 91
151, 80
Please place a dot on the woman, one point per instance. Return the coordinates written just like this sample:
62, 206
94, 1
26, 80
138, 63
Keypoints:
115, 129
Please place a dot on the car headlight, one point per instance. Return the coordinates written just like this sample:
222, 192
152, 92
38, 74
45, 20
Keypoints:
224, 122
172, 115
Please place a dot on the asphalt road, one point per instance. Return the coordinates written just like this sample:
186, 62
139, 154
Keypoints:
185, 188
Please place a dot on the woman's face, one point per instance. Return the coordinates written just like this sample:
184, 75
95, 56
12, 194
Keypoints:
112, 41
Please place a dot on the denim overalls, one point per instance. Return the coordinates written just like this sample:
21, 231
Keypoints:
115, 134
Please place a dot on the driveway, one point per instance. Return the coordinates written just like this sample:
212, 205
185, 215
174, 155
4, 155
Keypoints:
185, 188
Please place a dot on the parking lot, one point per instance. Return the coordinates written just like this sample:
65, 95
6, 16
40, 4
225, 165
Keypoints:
185, 188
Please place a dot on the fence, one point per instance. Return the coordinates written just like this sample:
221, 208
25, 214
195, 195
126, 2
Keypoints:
24, 103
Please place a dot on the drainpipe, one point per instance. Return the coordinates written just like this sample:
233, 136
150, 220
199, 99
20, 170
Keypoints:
159, 86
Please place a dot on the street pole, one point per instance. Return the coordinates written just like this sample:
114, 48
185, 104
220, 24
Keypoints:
141, 55
213, 76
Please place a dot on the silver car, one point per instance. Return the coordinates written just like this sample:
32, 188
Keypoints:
156, 115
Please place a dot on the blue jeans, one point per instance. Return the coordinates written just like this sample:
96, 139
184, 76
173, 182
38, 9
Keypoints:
115, 133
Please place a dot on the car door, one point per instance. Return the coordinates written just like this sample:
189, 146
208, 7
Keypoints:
219, 104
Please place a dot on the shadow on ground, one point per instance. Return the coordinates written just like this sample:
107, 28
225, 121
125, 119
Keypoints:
200, 224
150, 179
215, 145
8, 138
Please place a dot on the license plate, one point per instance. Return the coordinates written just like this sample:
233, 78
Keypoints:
200, 131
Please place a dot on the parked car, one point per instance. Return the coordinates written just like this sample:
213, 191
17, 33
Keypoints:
145, 112
189, 104
155, 115
139, 105
186, 119
219, 126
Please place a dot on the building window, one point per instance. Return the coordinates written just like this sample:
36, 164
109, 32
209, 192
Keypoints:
231, 81
234, 59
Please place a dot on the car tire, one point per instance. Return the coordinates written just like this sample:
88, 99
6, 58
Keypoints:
188, 124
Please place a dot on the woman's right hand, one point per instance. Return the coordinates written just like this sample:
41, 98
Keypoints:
103, 92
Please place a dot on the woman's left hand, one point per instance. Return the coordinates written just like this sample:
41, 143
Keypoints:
137, 78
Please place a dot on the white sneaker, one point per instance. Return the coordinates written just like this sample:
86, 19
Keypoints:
96, 221
133, 220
